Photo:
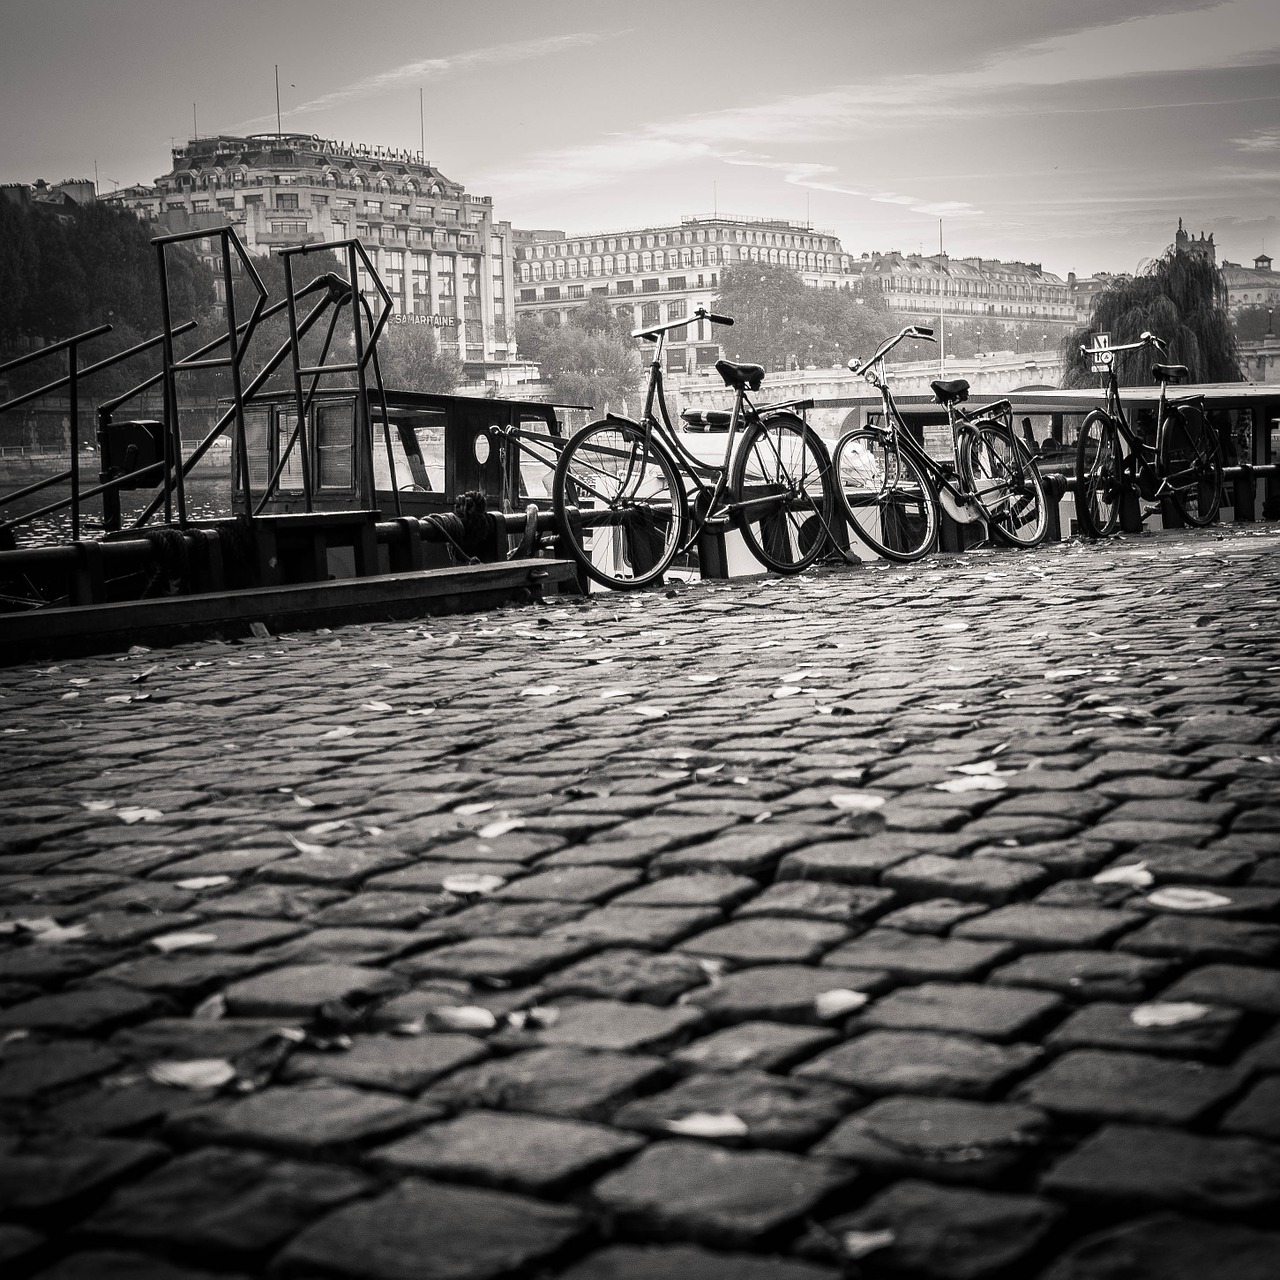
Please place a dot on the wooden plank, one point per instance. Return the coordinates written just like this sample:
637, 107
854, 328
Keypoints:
95, 628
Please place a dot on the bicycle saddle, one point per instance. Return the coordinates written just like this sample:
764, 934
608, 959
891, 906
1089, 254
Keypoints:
1170, 372
952, 392
747, 377
710, 420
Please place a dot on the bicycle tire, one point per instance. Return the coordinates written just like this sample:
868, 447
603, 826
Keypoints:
1191, 464
615, 479
1099, 476
1017, 509
886, 499
782, 471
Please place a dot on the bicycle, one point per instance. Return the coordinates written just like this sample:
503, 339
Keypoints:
891, 489
1184, 465
629, 496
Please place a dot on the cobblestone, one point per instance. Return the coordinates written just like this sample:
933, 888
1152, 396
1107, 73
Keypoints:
549, 986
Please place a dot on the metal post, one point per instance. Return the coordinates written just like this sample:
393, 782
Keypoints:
295, 349
73, 405
173, 444
361, 381
237, 391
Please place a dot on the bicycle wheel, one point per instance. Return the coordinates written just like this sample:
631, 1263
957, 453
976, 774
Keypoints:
782, 478
999, 471
1099, 476
619, 503
889, 502
1191, 465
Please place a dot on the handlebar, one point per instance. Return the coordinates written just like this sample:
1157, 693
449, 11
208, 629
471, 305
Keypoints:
650, 332
1145, 340
911, 331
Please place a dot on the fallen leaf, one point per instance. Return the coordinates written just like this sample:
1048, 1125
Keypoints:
211, 1009
702, 678
974, 782
708, 1124
978, 767
955, 626
650, 712
197, 1073
181, 941
838, 1001
465, 1017
858, 1244
1179, 898
857, 801
203, 882
142, 675
376, 706
480, 806
1132, 873
97, 806
139, 815
492, 830
1169, 1013
49, 933
303, 846
470, 882
540, 691
326, 828
304, 802
606, 694
342, 731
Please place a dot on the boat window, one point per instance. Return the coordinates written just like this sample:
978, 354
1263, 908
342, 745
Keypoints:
291, 475
333, 444
535, 475
418, 441
256, 422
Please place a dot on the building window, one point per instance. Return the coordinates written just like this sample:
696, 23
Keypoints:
286, 199
528, 295
625, 286
648, 286
577, 291
677, 284
288, 228
552, 293
649, 313
677, 310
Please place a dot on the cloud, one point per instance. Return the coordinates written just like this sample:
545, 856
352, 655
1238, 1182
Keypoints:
1235, 33
1259, 140
414, 73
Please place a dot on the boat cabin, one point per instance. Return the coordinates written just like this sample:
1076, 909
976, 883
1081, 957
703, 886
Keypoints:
437, 447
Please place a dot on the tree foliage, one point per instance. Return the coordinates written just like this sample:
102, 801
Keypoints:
779, 321
412, 359
1251, 324
1178, 299
85, 266
590, 361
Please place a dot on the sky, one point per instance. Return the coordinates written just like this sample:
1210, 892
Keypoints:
1073, 133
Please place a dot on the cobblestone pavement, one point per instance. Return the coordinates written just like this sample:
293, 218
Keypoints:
899, 922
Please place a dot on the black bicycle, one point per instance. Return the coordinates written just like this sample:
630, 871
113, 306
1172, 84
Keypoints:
1184, 465
891, 489
629, 496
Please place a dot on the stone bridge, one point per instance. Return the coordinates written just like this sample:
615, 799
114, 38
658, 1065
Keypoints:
997, 374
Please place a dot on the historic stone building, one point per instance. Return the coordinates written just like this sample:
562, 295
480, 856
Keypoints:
969, 288
660, 273
1256, 286
440, 252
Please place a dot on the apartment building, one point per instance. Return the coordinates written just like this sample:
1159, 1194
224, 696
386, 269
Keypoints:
656, 274
445, 259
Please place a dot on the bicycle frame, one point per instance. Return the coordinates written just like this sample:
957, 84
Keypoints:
709, 504
1143, 458
874, 372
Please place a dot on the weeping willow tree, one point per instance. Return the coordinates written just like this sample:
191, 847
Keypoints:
1178, 299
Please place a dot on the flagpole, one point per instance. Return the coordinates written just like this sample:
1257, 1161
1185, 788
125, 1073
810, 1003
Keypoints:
942, 307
